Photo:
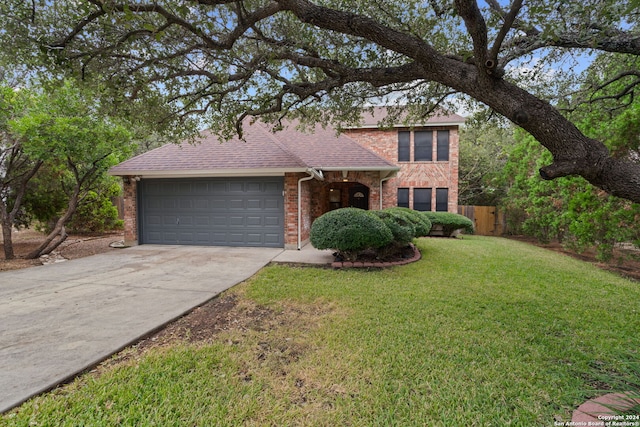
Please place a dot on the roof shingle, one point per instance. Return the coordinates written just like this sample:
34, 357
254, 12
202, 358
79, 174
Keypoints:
261, 150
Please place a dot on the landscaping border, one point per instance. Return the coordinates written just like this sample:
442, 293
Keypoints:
378, 264
597, 411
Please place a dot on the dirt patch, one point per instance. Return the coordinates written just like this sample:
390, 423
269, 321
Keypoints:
235, 317
205, 322
76, 246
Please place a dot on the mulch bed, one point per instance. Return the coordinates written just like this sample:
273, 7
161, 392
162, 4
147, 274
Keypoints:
369, 259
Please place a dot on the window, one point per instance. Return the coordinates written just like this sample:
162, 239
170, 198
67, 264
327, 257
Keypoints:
422, 199
403, 197
423, 146
442, 199
443, 146
404, 146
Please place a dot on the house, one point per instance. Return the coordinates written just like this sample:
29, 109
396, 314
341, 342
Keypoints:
267, 189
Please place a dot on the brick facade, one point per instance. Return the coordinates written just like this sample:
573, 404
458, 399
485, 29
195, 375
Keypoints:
412, 174
291, 209
315, 199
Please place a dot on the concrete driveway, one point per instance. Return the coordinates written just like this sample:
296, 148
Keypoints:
58, 320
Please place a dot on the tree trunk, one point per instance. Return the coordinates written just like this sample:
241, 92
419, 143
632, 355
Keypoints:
8, 216
573, 152
58, 234
7, 240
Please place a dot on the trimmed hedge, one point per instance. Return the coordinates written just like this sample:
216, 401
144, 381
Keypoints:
349, 231
420, 222
450, 222
400, 224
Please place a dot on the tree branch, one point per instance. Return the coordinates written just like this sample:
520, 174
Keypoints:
619, 43
627, 90
223, 44
477, 29
509, 20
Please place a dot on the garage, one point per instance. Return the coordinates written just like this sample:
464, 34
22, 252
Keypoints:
212, 211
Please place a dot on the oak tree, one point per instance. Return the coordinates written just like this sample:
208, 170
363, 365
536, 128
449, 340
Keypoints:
215, 62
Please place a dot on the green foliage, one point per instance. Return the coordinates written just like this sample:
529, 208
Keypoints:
569, 209
57, 145
45, 198
349, 231
271, 60
96, 213
483, 153
421, 223
400, 224
65, 128
450, 222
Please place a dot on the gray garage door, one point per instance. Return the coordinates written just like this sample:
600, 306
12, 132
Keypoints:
212, 211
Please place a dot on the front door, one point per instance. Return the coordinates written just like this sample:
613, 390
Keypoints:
359, 197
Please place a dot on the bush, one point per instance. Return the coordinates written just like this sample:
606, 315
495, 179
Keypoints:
96, 214
400, 224
349, 231
420, 222
450, 222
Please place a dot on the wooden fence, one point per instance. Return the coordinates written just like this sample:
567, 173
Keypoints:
488, 220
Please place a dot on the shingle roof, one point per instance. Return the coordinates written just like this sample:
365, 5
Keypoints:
261, 152
322, 148
209, 154
371, 119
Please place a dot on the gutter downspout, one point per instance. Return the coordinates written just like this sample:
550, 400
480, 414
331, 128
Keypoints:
383, 180
306, 178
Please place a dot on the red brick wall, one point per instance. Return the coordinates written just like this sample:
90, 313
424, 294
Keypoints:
369, 179
432, 174
130, 211
315, 199
291, 209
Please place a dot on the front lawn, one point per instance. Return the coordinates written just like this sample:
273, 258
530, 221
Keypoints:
481, 331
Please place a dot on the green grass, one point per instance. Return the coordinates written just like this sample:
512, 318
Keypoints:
481, 331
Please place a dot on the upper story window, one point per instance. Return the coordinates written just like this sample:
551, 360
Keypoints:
443, 146
404, 146
423, 146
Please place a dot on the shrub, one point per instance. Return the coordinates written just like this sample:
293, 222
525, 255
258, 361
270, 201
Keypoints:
420, 222
400, 223
450, 222
96, 214
349, 231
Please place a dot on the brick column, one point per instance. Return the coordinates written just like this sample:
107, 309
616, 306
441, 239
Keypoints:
291, 209
130, 211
